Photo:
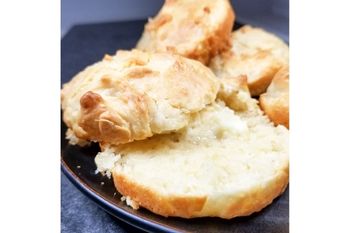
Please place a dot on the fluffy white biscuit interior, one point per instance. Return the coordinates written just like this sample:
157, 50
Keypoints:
220, 155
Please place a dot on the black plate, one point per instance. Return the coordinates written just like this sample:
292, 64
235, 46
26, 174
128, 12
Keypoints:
86, 44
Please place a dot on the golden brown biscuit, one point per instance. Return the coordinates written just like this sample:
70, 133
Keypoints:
223, 164
135, 94
275, 102
255, 53
194, 29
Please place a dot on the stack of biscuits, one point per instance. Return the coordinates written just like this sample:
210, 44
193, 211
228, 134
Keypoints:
194, 121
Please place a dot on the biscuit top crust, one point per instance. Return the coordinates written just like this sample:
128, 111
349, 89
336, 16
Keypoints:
194, 29
134, 94
255, 53
280, 83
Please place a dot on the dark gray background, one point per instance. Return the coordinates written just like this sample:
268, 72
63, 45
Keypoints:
272, 15
78, 213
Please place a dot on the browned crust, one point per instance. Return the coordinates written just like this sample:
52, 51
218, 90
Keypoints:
185, 207
277, 111
275, 102
218, 42
190, 207
258, 86
102, 124
99, 123
259, 198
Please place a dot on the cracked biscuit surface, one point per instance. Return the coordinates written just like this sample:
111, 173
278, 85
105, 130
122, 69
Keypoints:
134, 95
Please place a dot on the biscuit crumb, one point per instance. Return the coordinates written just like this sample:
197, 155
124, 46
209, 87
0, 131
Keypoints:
130, 202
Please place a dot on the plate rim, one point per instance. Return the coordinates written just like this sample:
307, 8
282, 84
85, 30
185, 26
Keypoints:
114, 210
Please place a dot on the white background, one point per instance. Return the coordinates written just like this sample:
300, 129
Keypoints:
30, 111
